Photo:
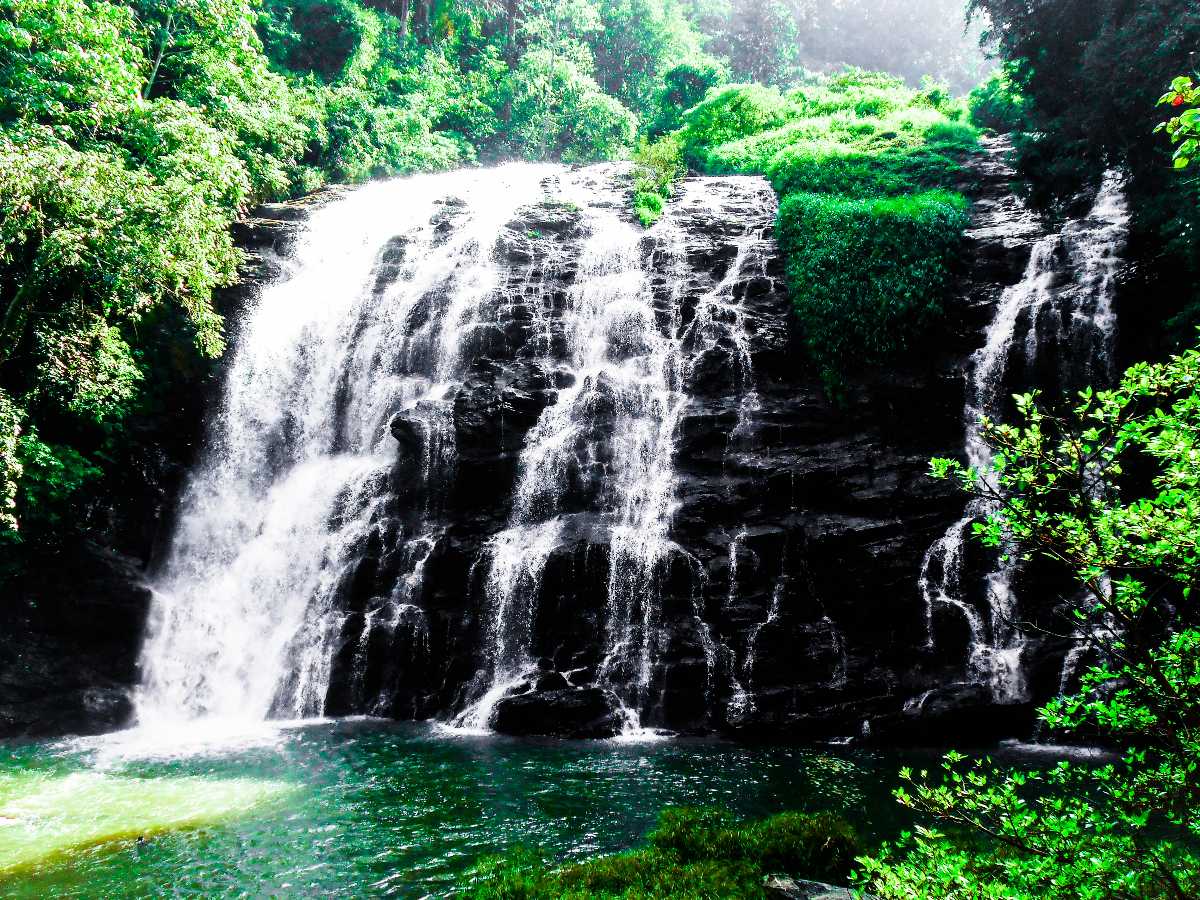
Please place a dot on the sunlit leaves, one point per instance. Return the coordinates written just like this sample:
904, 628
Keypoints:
1128, 828
1184, 128
88, 368
657, 166
558, 112
11, 468
71, 64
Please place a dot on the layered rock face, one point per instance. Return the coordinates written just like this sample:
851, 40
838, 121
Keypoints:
490, 453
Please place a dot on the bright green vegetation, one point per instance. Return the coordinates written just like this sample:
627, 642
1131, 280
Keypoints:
399, 810
997, 104
44, 818
657, 166
869, 222
868, 276
1111, 491
692, 853
1184, 128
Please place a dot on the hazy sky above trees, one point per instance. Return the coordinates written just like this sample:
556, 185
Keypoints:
775, 40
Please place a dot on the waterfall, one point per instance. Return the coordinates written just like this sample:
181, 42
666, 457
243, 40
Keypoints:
323, 496
287, 488
1064, 304
627, 368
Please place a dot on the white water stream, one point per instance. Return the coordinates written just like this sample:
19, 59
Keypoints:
243, 617
1079, 302
380, 314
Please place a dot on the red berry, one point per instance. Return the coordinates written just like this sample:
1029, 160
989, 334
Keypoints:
1178, 101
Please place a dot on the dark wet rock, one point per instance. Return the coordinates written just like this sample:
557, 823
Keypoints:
72, 628
550, 681
954, 709
566, 712
410, 434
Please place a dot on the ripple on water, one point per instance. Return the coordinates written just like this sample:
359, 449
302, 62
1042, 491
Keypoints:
343, 808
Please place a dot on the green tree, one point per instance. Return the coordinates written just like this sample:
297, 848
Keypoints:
1110, 490
558, 112
11, 469
635, 45
1086, 71
683, 86
761, 39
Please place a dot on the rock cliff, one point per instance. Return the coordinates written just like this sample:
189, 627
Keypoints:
782, 596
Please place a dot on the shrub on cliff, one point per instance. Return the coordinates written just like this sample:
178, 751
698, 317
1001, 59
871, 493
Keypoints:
683, 87
729, 113
817, 168
868, 246
657, 167
867, 276
692, 853
997, 104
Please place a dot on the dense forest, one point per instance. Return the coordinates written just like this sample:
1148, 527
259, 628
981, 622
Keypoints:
135, 135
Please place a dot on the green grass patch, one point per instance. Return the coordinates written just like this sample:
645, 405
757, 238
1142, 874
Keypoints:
693, 853
731, 112
865, 167
819, 168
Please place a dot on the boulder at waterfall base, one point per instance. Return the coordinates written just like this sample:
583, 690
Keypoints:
565, 712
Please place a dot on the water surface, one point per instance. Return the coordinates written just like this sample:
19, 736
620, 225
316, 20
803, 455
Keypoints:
357, 808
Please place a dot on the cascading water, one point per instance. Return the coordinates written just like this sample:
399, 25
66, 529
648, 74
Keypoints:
244, 618
628, 355
1069, 314
303, 545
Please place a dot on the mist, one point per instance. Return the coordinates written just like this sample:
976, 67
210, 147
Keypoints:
779, 41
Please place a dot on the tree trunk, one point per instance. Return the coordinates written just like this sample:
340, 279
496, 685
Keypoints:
421, 25
512, 16
163, 42
12, 326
